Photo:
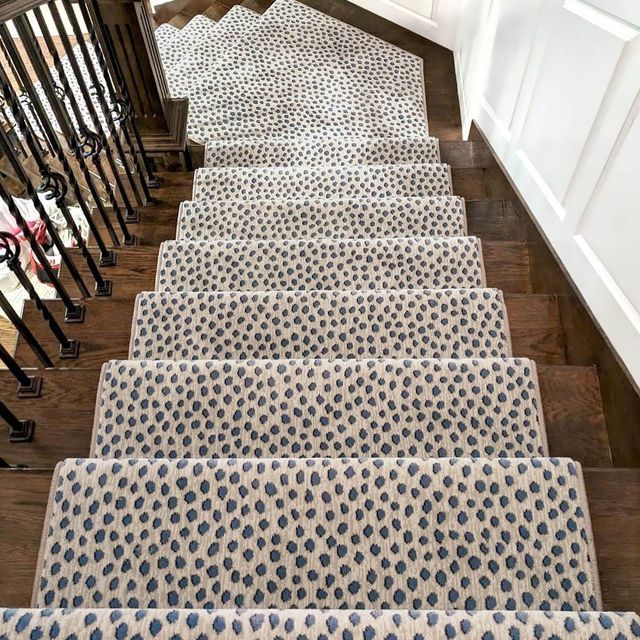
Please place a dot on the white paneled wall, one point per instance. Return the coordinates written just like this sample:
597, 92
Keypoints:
555, 87
433, 19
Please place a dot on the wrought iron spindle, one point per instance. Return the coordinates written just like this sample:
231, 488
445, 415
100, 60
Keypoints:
74, 311
28, 386
108, 257
24, 331
11, 247
56, 184
107, 111
122, 112
86, 140
116, 70
7, 149
131, 214
19, 430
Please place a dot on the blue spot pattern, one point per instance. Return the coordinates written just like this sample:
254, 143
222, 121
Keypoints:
307, 265
319, 408
270, 624
442, 216
441, 323
321, 533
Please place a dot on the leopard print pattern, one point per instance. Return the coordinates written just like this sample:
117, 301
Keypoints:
319, 408
322, 183
328, 151
308, 219
302, 265
203, 44
319, 533
445, 323
175, 50
301, 74
272, 624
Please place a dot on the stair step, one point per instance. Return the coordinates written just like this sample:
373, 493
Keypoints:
362, 218
330, 533
294, 624
175, 50
203, 45
164, 34
319, 152
310, 408
441, 323
302, 74
297, 265
322, 183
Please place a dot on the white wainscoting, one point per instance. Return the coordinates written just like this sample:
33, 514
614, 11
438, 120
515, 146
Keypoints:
555, 87
433, 19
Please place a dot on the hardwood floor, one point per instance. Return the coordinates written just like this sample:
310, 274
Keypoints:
592, 410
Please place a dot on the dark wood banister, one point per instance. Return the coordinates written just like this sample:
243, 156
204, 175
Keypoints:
125, 29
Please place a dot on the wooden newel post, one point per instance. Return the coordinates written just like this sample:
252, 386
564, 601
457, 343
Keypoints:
126, 30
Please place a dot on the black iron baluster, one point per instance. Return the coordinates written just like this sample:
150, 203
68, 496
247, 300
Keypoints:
19, 430
56, 185
6, 113
11, 247
114, 65
86, 140
122, 111
74, 312
108, 257
28, 386
131, 214
7, 149
24, 331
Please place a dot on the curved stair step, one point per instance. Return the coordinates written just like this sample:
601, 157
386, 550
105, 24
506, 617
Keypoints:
297, 265
319, 152
203, 44
329, 533
311, 408
440, 216
322, 183
442, 323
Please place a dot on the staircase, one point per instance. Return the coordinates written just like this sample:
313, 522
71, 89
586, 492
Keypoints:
327, 425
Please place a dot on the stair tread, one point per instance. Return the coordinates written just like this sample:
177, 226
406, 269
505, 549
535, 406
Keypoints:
275, 524
201, 45
319, 152
269, 624
283, 183
333, 218
310, 408
263, 265
293, 324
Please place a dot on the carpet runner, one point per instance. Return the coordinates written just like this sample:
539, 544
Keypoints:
319, 408
298, 73
296, 265
441, 323
263, 624
329, 151
322, 183
346, 219
199, 44
329, 533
